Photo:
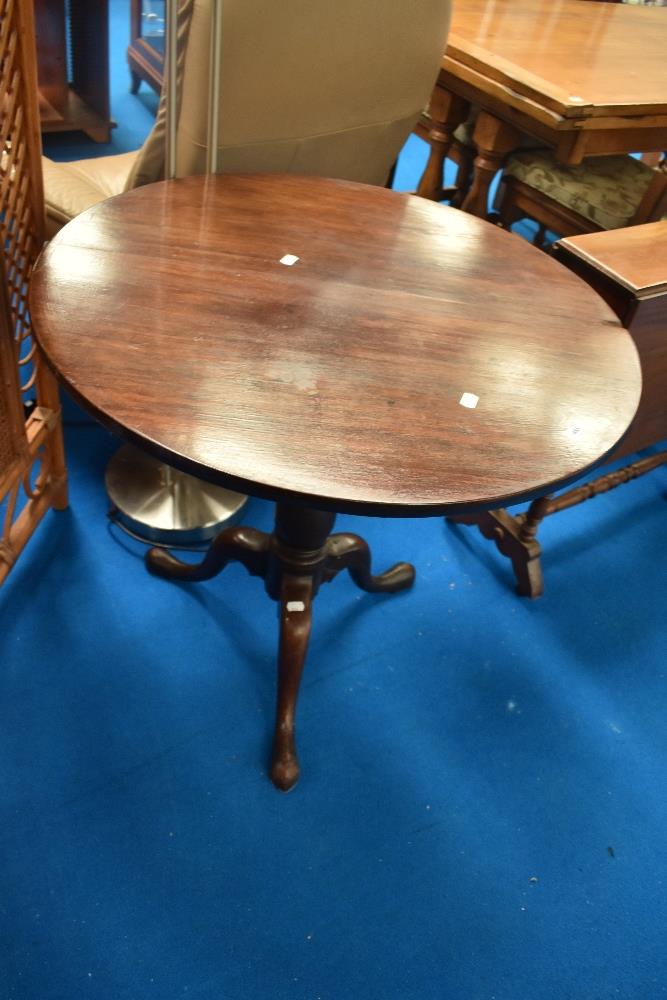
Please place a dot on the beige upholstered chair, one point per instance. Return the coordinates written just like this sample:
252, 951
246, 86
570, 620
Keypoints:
307, 86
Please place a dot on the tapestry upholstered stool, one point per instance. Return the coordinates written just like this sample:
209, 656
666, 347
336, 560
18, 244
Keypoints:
605, 192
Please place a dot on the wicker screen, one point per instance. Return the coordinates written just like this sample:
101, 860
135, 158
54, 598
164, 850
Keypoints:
32, 472
12, 433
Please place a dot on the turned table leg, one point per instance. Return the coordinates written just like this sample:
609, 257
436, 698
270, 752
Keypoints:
494, 140
447, 112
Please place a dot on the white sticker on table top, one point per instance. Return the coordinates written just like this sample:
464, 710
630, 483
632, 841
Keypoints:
469, 400
289, 259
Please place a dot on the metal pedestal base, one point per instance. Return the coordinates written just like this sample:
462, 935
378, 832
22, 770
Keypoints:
163, 506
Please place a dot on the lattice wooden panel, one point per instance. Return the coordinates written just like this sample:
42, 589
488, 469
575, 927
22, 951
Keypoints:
32, 471
11, 429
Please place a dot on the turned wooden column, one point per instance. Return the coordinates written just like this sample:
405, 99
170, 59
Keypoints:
447, 112
494, 140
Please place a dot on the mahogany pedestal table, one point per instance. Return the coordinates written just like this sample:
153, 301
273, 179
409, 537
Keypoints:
407, 359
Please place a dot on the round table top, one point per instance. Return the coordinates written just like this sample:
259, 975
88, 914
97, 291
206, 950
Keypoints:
412, 360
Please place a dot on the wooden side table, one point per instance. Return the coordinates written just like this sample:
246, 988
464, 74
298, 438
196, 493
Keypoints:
333, 347
628, 268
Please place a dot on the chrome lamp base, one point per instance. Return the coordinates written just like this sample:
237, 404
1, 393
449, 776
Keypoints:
161, 506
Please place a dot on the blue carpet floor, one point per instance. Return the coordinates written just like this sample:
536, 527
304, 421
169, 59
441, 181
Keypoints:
482, 810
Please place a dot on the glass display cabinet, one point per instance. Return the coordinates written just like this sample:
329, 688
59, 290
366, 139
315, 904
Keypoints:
72, 40
145, 54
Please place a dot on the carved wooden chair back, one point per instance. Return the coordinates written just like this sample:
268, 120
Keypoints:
32, 467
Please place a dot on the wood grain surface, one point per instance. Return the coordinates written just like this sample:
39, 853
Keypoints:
577, 59
337, 380
635, 257
628, 268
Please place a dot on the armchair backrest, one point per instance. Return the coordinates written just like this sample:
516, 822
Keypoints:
307, 86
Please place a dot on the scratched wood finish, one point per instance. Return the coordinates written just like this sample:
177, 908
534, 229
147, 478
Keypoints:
169, 315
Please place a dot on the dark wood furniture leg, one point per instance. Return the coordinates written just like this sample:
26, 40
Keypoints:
626, 267
464, 175
298, 556
515, 536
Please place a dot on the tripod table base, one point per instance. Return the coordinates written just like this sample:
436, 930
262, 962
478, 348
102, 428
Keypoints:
298, 556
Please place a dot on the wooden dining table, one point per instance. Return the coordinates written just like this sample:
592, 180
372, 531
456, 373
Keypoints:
586, 79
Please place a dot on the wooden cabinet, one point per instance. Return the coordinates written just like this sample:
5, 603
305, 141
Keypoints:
73, 66
145, 54
628, 268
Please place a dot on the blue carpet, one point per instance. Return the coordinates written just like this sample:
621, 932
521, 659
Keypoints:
482, 811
